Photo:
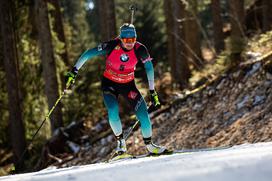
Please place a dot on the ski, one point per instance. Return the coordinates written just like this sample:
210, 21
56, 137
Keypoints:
126, 156
183, 151
121, 157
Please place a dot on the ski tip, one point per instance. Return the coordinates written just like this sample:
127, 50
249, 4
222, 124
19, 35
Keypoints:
121, 157
165, 152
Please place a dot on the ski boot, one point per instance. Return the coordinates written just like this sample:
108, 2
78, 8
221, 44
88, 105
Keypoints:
121, 149
154, 149
121, 146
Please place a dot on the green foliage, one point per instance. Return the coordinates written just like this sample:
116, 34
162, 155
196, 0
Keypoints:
78, 34
32, 84
86, 99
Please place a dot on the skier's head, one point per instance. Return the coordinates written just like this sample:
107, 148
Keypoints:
128, 35
128, 31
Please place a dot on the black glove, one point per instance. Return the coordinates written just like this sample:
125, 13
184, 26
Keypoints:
155, 99
70, 77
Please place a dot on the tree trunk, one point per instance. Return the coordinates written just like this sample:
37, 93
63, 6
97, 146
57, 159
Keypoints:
237, 30
217, 26
107, 19
177, 54
192, 36
171, 49
16, 126
48, 62
237, 17
182, 67
267, 15
32, 21
58, 28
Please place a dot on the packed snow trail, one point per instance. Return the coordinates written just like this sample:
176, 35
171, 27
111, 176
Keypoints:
246, 162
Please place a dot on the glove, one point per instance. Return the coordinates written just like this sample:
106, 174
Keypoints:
70, 77
155, 99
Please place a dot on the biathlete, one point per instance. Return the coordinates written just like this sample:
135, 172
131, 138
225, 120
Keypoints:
122, 55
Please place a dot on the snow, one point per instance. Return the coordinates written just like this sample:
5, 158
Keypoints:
246, 162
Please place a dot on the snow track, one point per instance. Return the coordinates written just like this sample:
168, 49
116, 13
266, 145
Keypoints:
246, 162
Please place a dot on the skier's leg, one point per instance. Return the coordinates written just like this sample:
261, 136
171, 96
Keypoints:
138, 103
142, 115
146, 128
111, 103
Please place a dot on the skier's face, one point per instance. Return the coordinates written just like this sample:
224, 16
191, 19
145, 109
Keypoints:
128, 43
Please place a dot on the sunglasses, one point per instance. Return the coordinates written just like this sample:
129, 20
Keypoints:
129, 40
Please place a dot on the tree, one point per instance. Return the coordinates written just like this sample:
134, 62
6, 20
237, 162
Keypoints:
58, 28
16, 126
79, 37
150, 26
192, 35
171, 50
267, 16
176, 42
237, 29
217, 26
93, 20
48, 62
107, 20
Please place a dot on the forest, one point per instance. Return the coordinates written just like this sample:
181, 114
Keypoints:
193, 45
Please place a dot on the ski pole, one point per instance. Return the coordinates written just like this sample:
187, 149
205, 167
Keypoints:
47, 116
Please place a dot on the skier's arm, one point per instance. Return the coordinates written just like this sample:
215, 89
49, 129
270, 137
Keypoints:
143, 55
101, 49
87, 55
150, 74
